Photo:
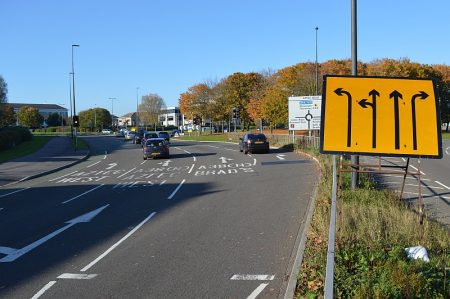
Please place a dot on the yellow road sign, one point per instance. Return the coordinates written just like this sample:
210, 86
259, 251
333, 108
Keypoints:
380, 116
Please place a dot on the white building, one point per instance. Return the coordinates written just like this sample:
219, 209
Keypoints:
172, 117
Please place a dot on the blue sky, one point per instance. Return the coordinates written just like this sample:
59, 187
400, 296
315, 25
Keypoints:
165, 47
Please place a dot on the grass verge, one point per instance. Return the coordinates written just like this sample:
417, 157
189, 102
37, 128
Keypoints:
206, 137
373, 228
25, 148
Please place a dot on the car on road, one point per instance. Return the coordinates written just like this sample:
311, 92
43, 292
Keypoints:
129, 135
252, 143
155, 148
175, 132
106, 131
163, 134
148, 135
138, 136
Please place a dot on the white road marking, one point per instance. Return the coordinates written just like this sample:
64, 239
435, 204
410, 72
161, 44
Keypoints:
64, 202
225, 160
401, 176
61, 176
93, 164
415, 168
192, 167
76, 276
44, 289
187, 152
252, 277
162, 183
412, 185
24, 250
415, 193
165, 163
254, 162
258, 290
118, 243
437, 182
7, 250
104, 157
20, 190
143, 162
281, 157
212, 146
126, 172
404, 160
111, 165
176, 190
230, 149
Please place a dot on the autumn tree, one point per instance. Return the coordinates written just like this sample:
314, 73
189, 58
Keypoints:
7, 116
196, 101
152, 105
30, 117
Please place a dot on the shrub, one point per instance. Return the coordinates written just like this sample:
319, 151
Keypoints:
12, 136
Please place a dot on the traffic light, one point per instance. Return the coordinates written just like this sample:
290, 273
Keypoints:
238, 113
76, 121
235, 112
196, 120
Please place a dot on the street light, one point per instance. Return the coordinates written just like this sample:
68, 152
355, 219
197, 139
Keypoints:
73, 94
317, 66
112, 112
137, 107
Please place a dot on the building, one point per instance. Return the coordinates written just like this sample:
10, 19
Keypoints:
44, 109
126, 120
172, 117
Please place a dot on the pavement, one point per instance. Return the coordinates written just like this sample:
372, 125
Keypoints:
57, 154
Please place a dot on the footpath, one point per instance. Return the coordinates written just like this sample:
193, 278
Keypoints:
57, 154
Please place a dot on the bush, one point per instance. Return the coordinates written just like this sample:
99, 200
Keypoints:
12, 136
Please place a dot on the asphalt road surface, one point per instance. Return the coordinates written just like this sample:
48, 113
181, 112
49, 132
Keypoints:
210, 222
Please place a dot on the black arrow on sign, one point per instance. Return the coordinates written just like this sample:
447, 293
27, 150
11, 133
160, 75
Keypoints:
339, 91
422, 95
396, 95
363, 103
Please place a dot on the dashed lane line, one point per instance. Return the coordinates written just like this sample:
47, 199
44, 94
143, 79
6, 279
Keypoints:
73, 198
20, 190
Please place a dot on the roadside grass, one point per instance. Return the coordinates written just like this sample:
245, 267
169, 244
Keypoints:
25, 148
446, 135
81, 144
373, 229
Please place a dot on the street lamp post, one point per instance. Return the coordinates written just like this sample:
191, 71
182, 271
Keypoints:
70, 102
137, 107
73, 94
317, 67
112, 112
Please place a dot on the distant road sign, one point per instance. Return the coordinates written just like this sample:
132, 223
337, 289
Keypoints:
304, 112
380, 116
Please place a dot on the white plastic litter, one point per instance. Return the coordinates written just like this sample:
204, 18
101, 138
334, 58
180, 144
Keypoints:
417, 252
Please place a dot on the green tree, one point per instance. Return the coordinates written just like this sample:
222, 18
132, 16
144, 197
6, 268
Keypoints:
3, 91
95, 119
54, 119
30, 117
7, 116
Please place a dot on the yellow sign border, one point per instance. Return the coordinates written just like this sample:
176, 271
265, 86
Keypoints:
352, 150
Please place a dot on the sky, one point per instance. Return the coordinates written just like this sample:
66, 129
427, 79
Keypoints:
132, 48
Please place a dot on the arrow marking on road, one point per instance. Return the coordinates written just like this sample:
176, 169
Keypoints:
225, 160
111, 165
17, 253
165, 163
281, 156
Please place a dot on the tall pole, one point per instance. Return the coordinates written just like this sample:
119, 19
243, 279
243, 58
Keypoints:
73, 94
137, 107
317, 67
354, 159
112, 112
70, 101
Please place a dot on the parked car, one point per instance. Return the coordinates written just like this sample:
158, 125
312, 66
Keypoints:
155, 148
164, 135
251, 143
147, 136
106, 131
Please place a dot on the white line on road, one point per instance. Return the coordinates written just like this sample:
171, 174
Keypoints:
64, 202
162, 183
258, 290
76, 276
254, 162
61, 176
118, 243
176, 190
187, 152
44, 289
415, 168
192, 167
126, 172
252, 277
437, 182
143, 162
401, 176
4, 195
93, 164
